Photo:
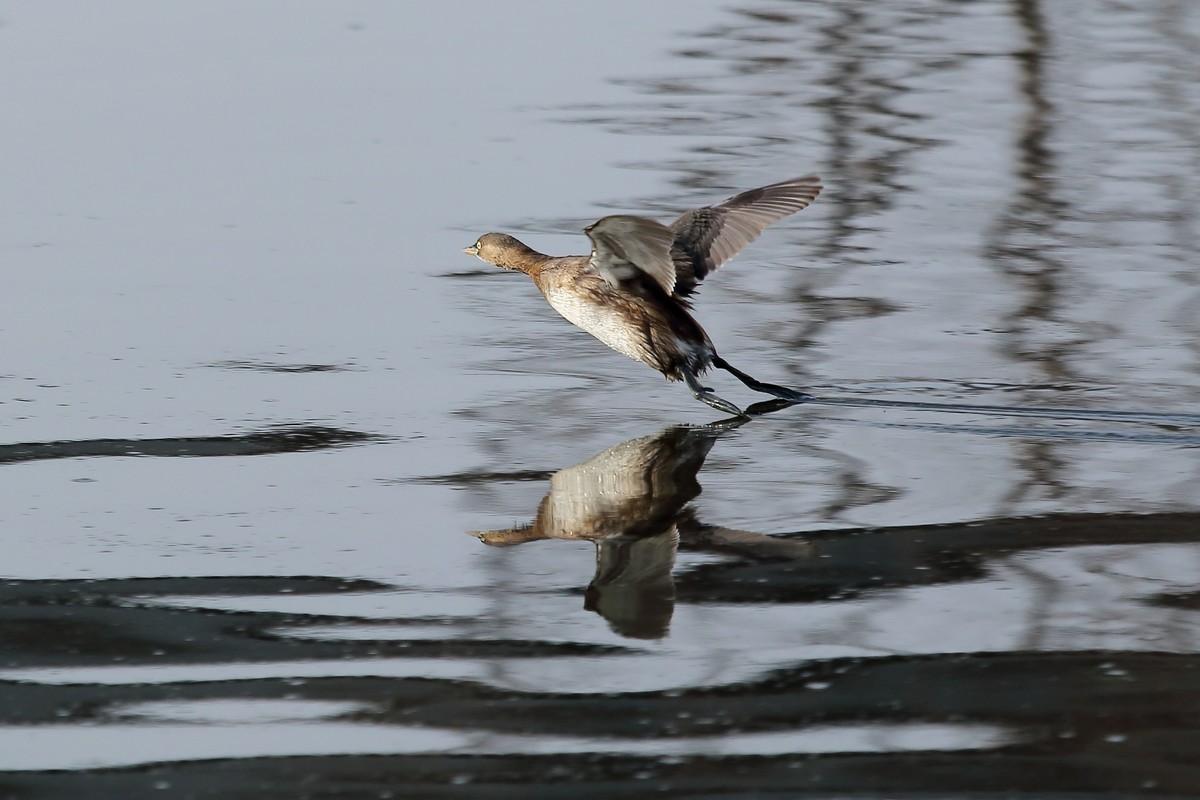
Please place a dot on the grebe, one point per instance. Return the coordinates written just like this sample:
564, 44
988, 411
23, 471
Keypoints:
631, 292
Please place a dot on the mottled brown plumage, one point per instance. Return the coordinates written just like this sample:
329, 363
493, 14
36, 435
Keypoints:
631, 292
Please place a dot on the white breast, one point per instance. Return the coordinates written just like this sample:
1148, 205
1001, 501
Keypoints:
604, 322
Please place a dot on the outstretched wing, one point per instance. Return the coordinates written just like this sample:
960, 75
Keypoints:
705, 238
625, 247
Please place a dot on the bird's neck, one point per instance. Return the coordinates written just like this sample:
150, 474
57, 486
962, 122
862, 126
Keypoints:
525, 259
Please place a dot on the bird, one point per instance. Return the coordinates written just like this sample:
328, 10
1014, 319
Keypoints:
633, 291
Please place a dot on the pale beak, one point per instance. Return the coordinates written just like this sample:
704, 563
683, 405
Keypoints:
471, 251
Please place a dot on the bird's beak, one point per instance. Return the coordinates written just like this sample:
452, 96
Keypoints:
471, 251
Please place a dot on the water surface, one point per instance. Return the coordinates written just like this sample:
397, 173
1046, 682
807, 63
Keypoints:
300, 500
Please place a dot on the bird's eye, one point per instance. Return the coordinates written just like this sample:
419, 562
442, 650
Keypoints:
479, 244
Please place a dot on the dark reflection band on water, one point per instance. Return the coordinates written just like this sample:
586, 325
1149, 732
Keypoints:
280, 439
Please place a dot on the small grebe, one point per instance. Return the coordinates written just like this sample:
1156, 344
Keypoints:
631, 292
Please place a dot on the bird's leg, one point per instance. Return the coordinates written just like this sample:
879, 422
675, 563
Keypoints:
781, 392
705, 394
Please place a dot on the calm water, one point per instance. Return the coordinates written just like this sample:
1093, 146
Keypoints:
298, 501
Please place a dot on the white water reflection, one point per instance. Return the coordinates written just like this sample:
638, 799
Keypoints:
243, 711
74, 748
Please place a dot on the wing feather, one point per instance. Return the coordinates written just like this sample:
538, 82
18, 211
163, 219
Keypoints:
705, 238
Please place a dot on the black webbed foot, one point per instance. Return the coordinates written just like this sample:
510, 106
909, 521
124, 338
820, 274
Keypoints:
705, 395
782, 392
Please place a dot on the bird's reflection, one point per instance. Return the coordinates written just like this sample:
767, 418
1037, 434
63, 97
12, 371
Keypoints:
631, 501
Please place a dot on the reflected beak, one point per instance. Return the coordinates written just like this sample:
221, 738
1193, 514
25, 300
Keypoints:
507, 537
471, 251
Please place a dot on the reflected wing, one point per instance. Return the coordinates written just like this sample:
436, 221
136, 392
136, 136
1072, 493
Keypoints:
705, 238
625, 247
